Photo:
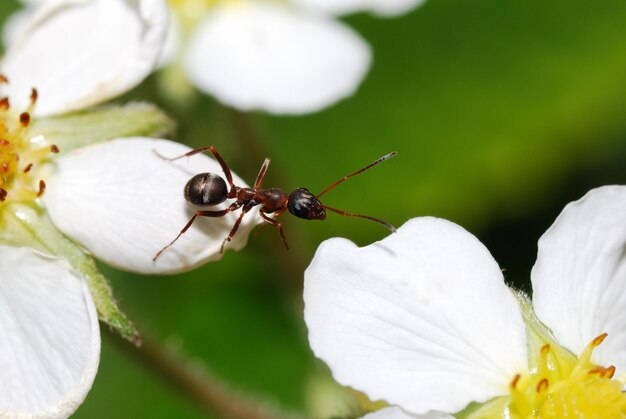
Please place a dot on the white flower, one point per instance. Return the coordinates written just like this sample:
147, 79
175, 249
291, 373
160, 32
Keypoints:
123, 202
116, 198
394, 412
264, 55
379, 7
257, 54
79, 52
423, 319
49, 339
271, 56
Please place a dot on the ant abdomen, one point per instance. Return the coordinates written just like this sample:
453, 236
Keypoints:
206, 189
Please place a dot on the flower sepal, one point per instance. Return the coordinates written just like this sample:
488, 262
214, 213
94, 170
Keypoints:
495, 408
27, 225
539, 335
102, 123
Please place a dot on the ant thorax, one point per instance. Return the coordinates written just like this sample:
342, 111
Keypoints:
274, 199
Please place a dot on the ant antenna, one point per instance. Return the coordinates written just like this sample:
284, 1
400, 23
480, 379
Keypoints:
367, 217
369, 166
343, 179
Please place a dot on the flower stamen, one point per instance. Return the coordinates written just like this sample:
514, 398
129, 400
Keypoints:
19, 155
542, 385
42, 188
24, 119
562, 386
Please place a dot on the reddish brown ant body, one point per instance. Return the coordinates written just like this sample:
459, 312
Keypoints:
209, 189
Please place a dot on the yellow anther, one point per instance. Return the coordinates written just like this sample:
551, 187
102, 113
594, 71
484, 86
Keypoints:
19, 155
542, 385
578, 389
598, 341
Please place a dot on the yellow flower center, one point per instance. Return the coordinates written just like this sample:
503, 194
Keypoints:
20, 155
562, 386
191, 11
558, 386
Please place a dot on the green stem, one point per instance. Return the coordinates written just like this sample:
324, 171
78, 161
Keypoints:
193, 381
28, 225
101, 292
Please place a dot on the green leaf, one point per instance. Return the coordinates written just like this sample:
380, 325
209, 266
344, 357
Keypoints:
28, 225
103, 123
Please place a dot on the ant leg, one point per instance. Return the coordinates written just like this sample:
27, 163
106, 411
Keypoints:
261, 175
188, 154
229, 177
220, 160
271, 221
259, 228
233, 231
276, 214
190, 222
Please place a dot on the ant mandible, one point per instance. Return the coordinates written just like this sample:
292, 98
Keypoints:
209, 189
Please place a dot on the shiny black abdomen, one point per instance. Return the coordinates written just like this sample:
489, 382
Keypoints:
206, 189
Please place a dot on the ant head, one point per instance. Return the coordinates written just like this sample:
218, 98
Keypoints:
304, 204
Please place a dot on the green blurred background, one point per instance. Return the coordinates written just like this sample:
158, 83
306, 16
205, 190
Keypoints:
501, 112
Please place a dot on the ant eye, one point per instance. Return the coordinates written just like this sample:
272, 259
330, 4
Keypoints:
303, 204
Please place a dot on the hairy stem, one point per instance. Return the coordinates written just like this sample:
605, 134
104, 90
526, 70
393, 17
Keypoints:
193, 381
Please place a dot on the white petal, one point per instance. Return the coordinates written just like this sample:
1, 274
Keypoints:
421, 319
379, 7
124, 203
15, 26
272, 57
579, 279
81, 52
49, 336
395, 412
172, 44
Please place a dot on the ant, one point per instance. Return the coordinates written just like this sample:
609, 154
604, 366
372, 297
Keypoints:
209, 189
